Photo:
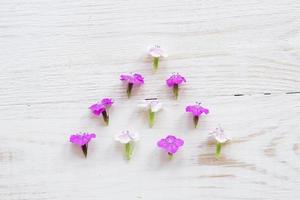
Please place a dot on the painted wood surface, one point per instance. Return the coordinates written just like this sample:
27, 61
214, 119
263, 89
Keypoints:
240, 58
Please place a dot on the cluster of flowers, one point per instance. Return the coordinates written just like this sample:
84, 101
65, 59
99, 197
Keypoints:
171, 143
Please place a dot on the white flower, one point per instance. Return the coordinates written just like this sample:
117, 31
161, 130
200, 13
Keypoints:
125, 137
219, 135
151, 104
156, 51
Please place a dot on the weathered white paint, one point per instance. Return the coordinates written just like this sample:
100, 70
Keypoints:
59, 56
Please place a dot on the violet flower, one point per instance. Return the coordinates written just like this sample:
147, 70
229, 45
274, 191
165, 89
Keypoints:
174, 81
197, 111
127, 138
102, 108
156, 52
131, 80
220, 137
170, 144
151, 106
82, 140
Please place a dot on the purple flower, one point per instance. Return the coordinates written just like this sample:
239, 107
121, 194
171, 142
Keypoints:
171, 144
107, 102
174, 81
82, 140
131, 80
135, 79
197, 111
102, 108
97, 108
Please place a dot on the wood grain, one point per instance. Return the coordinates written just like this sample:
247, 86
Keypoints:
241, 60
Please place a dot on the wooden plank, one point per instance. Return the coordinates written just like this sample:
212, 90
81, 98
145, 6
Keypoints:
261, 162
240, 58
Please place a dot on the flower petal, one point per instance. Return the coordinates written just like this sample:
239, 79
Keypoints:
172, 148
156, 106
170, 139
162, 143
179, 142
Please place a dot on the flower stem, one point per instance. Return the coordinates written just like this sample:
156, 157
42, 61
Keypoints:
170, 156
175, 90
196, 119
218, 150
128, 150
129, 88
155, 63
151, 118
84, 149
105, 117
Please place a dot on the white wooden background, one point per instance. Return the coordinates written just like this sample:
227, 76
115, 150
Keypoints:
241, 59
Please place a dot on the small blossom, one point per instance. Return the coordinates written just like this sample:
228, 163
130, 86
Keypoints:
156, 52
170, 144
152, 106
102, 108
82, 140
135, 79
127, 138
219, 135
197, 111
107, 102
131, 80
97, 108
174, 81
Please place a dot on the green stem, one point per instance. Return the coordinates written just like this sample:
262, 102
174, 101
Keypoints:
175, 90
151, 118
129, 89
170, 156
218, 150
128, 150
155, 63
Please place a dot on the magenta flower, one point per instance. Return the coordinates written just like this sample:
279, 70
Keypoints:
174, 81
131, 80
197, 111
102, 108
82, 140
170, 144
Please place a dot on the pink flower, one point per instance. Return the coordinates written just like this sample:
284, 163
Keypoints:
102, 108
175, 79
196, 110
219, 135
107, 102
170, 144
82, 140
97, 108
156, 51
135, 79
131, 80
